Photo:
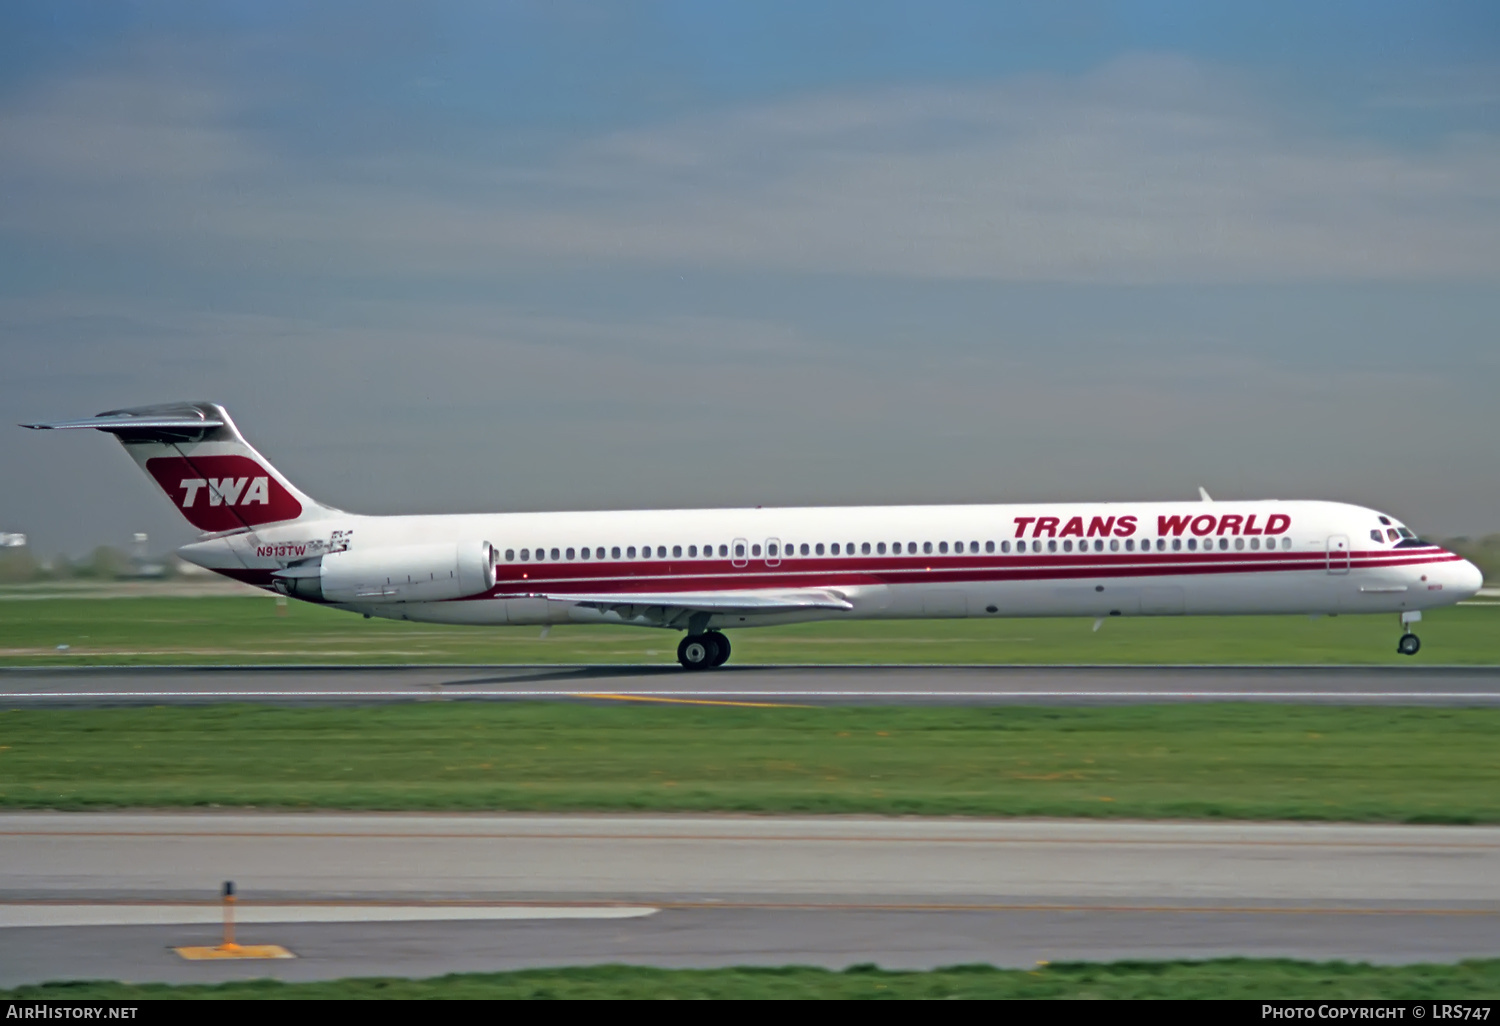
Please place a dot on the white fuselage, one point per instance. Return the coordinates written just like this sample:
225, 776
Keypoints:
1095, 560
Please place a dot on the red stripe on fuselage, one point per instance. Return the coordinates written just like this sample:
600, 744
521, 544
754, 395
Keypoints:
718, 575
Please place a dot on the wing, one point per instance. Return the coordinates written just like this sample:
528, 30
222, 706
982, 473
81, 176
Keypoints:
676, 609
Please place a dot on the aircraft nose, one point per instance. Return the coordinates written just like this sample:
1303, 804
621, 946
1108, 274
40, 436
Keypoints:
1466, 578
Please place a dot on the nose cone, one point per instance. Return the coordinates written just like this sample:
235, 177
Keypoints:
1465, 578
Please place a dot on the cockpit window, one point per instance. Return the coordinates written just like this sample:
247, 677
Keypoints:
1392, 533
1375, 535
1385, 520
1405, 533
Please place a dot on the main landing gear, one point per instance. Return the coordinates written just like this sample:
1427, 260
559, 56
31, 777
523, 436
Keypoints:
1409, 644
703, 651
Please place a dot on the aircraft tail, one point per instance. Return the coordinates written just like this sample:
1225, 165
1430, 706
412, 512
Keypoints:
199, 459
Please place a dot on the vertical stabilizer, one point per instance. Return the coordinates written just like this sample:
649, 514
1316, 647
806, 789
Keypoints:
202, 463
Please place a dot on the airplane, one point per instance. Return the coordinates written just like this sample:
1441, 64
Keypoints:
707, 570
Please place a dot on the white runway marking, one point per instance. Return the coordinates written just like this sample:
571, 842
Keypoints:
459, 691
197, 915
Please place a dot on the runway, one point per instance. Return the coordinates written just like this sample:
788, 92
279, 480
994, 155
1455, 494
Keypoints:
428, 894
827, 685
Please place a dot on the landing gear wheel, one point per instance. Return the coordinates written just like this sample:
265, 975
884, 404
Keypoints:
721, 647
696, 652
1409, 644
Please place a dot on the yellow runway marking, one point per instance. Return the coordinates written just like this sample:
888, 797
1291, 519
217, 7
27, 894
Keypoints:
685, 701
200, 954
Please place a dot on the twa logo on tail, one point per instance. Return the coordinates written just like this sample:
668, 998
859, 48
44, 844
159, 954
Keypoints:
220, 493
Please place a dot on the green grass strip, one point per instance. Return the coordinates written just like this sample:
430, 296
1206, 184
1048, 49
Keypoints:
255, 630
1236, 761
1229, 978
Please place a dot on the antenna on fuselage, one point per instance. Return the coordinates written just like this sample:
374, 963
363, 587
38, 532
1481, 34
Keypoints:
1203, 493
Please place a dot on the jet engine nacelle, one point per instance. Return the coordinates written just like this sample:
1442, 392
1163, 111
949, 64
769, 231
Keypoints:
395, 573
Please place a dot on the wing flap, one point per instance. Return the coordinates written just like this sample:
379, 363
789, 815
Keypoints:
708, 601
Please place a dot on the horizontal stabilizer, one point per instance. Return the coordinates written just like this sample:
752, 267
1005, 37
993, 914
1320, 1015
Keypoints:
127, 423
166, 423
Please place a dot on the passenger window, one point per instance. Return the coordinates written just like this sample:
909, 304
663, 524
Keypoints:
572, 554
1052, 546
880, 548
1005, 546
1114, 545
739, 551
864, 548
1193, 544
541, 554
1036, 546
1223, 544
614, 553
584, 552
1176, 544
771, 549
1239, 543
676, 551
510, 555
927, 548
973, 547
1129, 544
943, 548
755, 549
630, 552
1161, 545
1068, 546
1286, 543
661, 552
1255, 543
834, 548
692, 552
554, 554
989, 546
525, 555
803, 550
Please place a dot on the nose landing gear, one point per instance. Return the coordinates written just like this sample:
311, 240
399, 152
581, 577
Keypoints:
703, 651
1409, 643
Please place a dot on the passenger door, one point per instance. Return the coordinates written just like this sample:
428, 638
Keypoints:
1338, 553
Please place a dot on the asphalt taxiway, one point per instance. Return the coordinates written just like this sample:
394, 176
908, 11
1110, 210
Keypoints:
832, 685
109, 895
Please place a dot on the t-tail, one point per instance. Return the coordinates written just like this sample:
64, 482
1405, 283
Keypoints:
200, 460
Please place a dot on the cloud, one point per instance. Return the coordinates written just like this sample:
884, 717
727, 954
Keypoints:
1149, 169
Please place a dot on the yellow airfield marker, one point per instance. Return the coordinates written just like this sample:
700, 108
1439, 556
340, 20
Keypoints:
229, 949
685, 701
240, 951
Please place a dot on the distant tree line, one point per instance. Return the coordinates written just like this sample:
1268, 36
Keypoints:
21, 565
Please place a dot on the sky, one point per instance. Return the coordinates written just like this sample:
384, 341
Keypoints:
566, 255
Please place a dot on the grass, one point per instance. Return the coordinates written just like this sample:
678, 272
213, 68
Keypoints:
255, 630
1250, 762
1219, 979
